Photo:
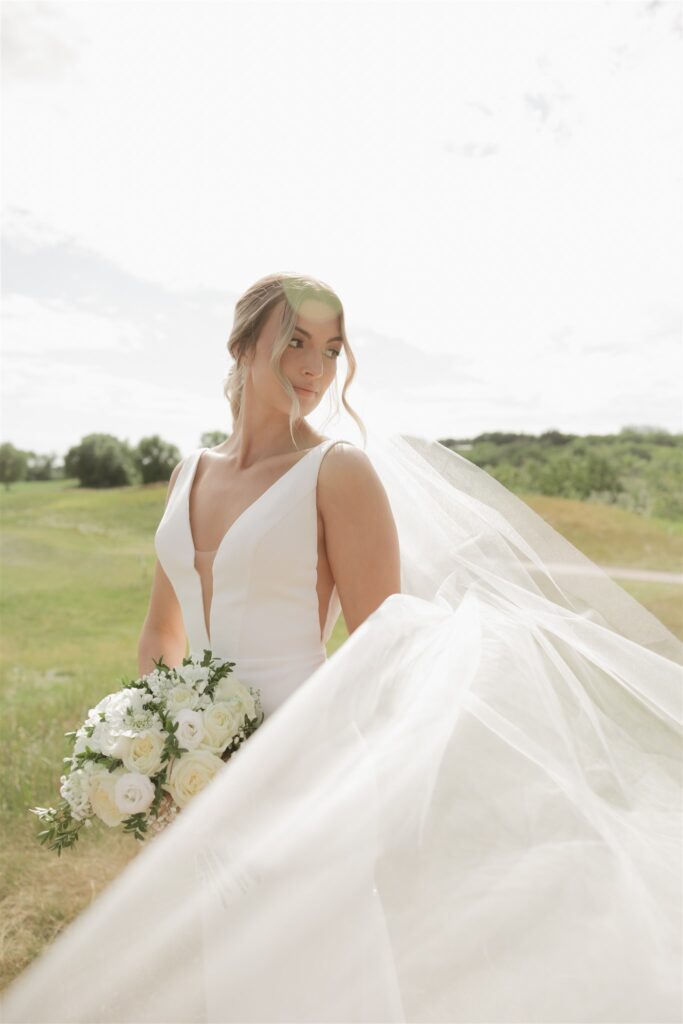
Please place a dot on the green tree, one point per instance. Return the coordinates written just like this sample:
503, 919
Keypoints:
12, 464
102, 460
156, 458
40, 467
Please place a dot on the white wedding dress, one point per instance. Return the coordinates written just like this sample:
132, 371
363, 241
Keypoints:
470, 812
257, 591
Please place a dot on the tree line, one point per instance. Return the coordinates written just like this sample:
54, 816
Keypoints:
640, 468
99, 460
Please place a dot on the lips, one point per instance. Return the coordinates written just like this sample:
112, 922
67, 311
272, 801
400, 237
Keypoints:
308, 391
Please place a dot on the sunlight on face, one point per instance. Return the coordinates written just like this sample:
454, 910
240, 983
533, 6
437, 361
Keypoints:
308, 362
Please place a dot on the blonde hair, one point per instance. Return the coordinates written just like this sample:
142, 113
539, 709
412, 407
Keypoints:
251, 312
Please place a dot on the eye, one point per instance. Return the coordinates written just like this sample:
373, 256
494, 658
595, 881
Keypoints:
336, 352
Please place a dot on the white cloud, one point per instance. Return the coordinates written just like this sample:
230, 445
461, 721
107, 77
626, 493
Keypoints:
493, 189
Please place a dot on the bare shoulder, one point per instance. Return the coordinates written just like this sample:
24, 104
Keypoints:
347, 472
349, 487
361, 538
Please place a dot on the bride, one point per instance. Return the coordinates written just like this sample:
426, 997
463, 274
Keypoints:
285, 526
469, 812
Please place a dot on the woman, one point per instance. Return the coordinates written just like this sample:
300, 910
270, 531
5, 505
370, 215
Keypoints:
470, 812
285, 346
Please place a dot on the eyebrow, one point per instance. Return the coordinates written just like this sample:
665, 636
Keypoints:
308, 335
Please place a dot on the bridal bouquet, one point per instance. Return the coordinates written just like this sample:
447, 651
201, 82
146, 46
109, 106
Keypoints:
144, 751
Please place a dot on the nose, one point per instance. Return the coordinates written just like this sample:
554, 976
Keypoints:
314, 366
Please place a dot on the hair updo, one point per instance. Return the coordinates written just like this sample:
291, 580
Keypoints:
251, 312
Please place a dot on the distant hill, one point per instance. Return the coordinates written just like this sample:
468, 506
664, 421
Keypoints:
639, 469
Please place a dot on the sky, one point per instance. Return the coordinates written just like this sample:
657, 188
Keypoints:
493, 189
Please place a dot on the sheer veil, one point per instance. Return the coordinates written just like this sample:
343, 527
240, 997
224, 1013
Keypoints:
471, 812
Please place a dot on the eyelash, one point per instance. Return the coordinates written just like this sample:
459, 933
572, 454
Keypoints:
337, 352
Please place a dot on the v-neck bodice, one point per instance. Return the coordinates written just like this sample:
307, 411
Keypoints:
263, 611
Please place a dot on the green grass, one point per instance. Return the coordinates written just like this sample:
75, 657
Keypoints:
77, 572
614, 536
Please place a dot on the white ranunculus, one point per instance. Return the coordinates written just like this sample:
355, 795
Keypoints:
190, 774
190, 731
102, 798
222, 721
179, 697
144, 753
133, 793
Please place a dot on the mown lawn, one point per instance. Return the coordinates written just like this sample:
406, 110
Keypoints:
77, 571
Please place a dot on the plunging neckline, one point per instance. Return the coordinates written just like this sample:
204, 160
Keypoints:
230, 529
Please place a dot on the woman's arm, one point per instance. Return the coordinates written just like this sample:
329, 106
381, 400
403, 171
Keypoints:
361, 537
163, 631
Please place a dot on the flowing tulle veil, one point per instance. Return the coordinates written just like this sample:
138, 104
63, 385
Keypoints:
471, 812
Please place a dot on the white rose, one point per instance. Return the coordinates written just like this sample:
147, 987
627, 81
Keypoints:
179, 697
231, 689
133, 793
222, 722
102, 798
144, 753
190, 731
190, 774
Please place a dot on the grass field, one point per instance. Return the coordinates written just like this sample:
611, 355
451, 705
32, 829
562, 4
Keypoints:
615, 537
77, 571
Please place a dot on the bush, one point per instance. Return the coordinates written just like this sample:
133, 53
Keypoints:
101, 460
12, 464
155, 459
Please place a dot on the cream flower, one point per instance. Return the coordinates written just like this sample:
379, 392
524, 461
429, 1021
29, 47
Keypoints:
110, 740
133, 793
231, 689
179, 697
144, 753
103, 799
190, 731
222, 721
190, 774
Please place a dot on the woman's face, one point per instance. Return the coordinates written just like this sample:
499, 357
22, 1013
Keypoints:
309, 361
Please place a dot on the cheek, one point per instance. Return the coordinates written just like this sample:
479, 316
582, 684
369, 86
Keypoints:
288, 361
264, 374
